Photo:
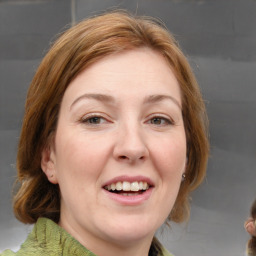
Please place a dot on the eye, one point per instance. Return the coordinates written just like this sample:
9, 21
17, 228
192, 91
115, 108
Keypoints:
93, 120
160, 121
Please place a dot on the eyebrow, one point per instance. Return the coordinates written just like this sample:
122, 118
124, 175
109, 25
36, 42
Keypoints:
95, 96
110, 99
158, 98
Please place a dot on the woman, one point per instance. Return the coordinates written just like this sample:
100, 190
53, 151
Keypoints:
113, 140
250, 226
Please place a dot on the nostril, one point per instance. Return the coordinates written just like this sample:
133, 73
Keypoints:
130, 158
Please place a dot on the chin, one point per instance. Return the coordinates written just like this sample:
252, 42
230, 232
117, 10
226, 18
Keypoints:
131, 231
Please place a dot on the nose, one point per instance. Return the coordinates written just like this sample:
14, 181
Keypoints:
130, 146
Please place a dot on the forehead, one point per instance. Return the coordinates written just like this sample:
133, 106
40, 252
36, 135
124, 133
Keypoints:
139, 71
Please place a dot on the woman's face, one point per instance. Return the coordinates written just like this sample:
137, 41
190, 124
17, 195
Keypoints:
120, 149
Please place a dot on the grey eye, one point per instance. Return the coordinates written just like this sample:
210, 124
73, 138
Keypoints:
160, 121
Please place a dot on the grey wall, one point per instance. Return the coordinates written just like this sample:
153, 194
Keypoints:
220, 39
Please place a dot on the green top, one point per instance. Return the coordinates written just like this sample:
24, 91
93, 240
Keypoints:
48, 238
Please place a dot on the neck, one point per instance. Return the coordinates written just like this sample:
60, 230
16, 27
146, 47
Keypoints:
138, 249
102, 246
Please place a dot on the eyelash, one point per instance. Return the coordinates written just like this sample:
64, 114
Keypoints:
87, 120
167, 121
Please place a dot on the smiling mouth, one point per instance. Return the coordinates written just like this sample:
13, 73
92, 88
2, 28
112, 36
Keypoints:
126, 188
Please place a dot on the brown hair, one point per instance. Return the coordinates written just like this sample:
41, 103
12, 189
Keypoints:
251, 246
79, 47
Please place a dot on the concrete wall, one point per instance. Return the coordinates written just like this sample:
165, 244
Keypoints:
219, 38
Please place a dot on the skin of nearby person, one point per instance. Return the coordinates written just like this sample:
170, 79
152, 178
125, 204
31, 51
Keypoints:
250, 227
114, 136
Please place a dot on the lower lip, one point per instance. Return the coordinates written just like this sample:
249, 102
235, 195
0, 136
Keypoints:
132, 199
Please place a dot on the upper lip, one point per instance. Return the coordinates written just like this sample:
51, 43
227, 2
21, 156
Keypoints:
129, 179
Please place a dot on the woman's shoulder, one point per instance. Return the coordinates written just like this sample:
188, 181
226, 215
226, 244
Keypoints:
7, 253
48, 238
166, 253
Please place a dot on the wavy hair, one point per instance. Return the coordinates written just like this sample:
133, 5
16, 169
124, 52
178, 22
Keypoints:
75, 50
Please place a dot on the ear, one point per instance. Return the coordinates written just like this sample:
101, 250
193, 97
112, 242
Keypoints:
48, 164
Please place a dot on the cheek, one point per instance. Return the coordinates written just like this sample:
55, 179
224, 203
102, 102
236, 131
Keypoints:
79, 158
170, 161
77, 171
170, 157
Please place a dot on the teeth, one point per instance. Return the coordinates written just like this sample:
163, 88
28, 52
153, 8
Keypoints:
128, 186
130, 194
145, 185
135, 186
113, 186
119, 186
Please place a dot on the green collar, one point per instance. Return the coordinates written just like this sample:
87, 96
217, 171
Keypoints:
49, 238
